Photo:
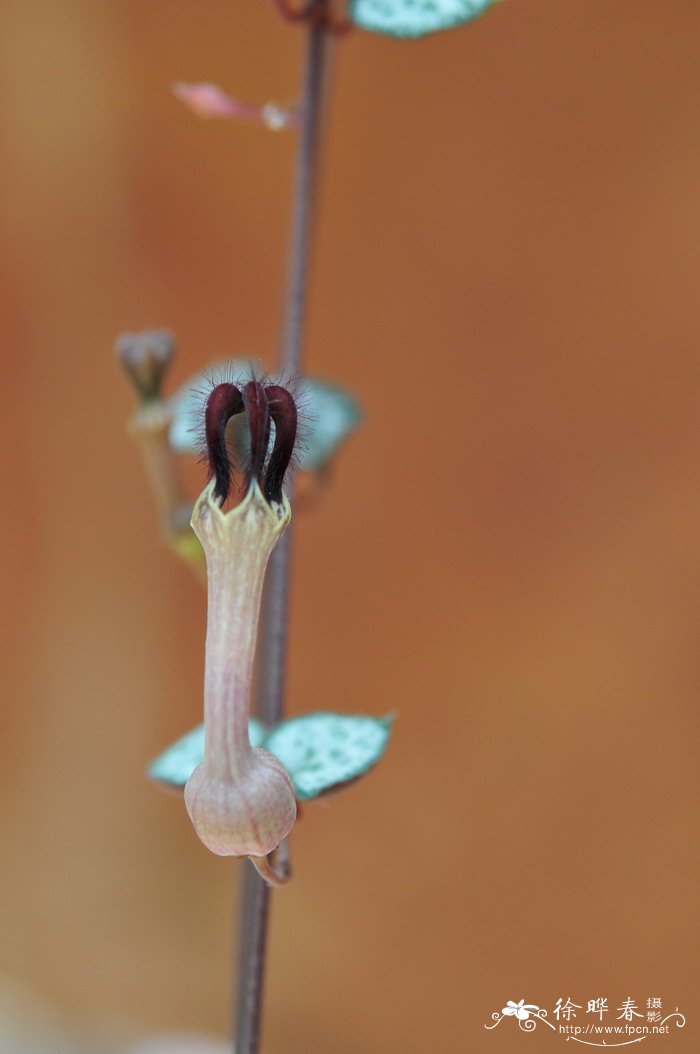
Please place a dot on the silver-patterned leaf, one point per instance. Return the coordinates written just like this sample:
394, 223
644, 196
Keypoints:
329, 415
322, 751
414, 18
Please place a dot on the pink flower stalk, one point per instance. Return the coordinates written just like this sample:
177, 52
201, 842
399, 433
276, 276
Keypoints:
240, 798
207, 101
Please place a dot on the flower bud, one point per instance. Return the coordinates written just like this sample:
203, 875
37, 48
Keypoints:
145, 358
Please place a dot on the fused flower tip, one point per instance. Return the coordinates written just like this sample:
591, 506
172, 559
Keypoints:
145, 358
240, 798
264, 406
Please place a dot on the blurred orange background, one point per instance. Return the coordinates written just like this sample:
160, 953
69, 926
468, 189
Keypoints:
506, 273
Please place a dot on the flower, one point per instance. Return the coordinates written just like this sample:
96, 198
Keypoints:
208, 100
521, 1010
240, 798
146, 358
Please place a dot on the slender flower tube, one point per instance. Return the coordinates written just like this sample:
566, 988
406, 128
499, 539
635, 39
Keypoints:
240, 798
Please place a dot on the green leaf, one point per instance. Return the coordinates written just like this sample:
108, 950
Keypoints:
177, 763
329, 415
328, 412
321, 750
414, 18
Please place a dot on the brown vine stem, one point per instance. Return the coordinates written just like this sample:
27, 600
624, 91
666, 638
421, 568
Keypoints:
273, 629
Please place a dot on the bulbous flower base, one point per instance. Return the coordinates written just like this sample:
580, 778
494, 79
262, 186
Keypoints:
246, 813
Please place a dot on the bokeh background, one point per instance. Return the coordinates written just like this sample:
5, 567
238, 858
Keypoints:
506, 273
